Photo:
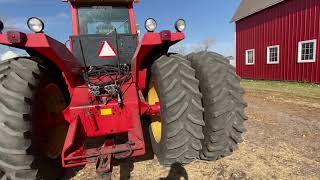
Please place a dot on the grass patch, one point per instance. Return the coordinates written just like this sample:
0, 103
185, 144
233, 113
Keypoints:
288, 88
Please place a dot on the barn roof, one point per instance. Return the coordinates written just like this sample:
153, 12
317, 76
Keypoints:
250, 7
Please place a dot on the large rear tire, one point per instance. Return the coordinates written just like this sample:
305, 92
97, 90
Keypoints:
181, 111
223, 103
20, 82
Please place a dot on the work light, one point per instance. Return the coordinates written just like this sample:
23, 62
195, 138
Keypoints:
150, 25
180, 25
36, 25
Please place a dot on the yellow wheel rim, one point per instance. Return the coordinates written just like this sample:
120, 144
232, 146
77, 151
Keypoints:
155, 120
54, 103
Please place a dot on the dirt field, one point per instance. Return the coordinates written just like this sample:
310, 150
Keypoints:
282, 142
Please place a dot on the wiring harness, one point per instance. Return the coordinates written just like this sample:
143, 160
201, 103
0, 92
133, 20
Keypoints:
108, 80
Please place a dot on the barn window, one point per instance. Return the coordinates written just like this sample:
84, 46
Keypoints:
307, 51
250, 57
273, 54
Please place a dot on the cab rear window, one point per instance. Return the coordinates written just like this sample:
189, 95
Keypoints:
104, 20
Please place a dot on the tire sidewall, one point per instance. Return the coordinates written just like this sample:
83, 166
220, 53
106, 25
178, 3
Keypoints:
160, 148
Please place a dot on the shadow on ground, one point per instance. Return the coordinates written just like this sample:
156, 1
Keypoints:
176, 173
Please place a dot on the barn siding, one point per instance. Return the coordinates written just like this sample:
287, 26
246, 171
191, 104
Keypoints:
284, 24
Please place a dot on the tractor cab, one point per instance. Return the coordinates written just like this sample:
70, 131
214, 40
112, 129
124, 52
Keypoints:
104, 32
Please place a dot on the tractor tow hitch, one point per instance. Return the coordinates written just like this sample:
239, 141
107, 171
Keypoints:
104, 161
103, 164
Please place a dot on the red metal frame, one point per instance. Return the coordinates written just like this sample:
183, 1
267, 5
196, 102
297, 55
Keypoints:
75, 20
132, 19
83, 113
42, 45
86, 121
150, 42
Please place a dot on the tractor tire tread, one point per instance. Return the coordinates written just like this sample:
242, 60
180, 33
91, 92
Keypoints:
18, 78
223, 103
181, 109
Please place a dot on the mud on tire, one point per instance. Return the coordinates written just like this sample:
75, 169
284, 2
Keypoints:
223, 103
181, 110
19, 82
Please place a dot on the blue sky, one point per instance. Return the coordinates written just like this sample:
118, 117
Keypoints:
208, 19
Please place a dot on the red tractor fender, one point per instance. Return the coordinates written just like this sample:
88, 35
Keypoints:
43, 46
152, 44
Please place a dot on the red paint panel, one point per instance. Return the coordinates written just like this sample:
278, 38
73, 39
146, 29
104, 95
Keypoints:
149, 42
95, 124
132, 20
53, 50
284, 24
75, 20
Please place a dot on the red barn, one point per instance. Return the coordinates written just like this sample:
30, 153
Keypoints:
278, 40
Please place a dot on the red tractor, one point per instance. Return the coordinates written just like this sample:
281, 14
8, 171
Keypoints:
57, 102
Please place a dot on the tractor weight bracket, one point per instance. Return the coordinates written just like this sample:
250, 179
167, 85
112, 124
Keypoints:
146, 108
154, 109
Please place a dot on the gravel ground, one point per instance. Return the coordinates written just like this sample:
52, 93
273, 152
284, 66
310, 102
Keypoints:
282, 142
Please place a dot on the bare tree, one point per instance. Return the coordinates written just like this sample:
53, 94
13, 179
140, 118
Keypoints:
205, 45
